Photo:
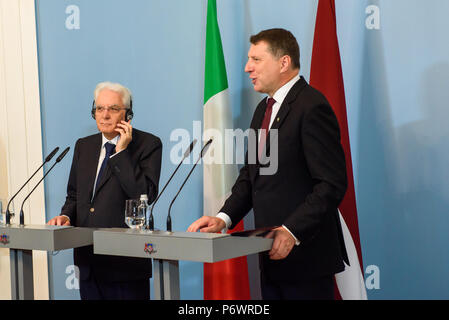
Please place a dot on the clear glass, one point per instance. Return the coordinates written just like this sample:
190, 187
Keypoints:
133, 218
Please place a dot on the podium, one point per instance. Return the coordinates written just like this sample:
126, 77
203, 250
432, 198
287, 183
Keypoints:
168, 248
22, 240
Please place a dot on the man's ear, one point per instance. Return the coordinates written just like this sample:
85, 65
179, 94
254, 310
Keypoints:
286, 62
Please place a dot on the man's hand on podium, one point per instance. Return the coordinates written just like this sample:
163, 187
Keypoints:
207, 224
282, 244
59, 221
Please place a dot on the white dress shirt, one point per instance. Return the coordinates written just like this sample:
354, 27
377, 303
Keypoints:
279, 97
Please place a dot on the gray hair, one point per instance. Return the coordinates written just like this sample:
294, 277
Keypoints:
124, 92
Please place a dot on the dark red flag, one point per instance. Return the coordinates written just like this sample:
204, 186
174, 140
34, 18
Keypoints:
326, 76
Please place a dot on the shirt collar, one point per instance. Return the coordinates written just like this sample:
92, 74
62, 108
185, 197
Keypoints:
282, 92
113, 141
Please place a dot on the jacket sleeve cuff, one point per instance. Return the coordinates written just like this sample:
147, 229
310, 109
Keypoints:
297, 242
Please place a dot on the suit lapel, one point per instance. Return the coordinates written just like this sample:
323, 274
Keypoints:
94, 155
104, 178
256, 123
289, 99
278, 120
280, 116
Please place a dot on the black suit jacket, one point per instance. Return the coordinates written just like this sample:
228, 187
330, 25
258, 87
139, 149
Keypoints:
128, 174
305, 191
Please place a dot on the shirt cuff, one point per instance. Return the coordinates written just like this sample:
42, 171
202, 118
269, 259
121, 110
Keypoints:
223, 216
297, 242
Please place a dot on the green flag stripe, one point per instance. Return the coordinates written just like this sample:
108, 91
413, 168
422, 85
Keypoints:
215, 79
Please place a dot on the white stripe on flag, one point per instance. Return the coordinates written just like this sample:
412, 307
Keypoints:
219, 177
350, 282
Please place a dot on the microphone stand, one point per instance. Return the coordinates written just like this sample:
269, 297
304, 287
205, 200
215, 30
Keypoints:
22, 218
8, 213
203, 151
150, 224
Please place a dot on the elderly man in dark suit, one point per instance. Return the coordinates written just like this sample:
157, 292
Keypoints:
303, 195
109, 167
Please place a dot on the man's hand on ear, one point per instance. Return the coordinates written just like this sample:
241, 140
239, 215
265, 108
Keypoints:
125, 129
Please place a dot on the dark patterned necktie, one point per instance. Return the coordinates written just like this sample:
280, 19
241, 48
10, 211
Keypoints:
110, 150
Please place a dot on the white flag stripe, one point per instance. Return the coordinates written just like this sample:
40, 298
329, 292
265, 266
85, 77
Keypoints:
218, 177
350, 282
217, 113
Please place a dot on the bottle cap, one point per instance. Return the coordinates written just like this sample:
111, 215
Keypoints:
143, 197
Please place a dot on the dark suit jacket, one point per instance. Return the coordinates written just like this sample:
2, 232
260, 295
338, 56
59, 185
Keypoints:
130, 173
306, 190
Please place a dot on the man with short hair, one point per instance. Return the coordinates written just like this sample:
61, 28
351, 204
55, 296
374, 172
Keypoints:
301, 198
109, 167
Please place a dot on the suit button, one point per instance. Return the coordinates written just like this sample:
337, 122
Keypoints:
92, 210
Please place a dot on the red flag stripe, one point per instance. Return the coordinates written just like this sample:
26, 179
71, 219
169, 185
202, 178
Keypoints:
228, 279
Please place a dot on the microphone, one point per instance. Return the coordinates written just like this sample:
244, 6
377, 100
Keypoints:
48, 158
150, 224
52, 154
203, 151
62, 155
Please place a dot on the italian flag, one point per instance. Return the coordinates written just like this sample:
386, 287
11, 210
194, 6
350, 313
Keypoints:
326, 76
225, 280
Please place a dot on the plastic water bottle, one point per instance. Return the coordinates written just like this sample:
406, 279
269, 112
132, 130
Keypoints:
142, 209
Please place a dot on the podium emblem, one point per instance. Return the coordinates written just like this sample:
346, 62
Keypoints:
149, 248
4, 239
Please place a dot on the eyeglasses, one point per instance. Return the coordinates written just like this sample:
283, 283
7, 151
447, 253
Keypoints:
112, 109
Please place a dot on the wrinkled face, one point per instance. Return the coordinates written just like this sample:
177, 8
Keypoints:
107, 119
264, 69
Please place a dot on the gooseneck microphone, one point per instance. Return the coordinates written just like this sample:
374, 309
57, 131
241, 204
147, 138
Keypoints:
186, 154
62, 155
203, 151
48, 158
